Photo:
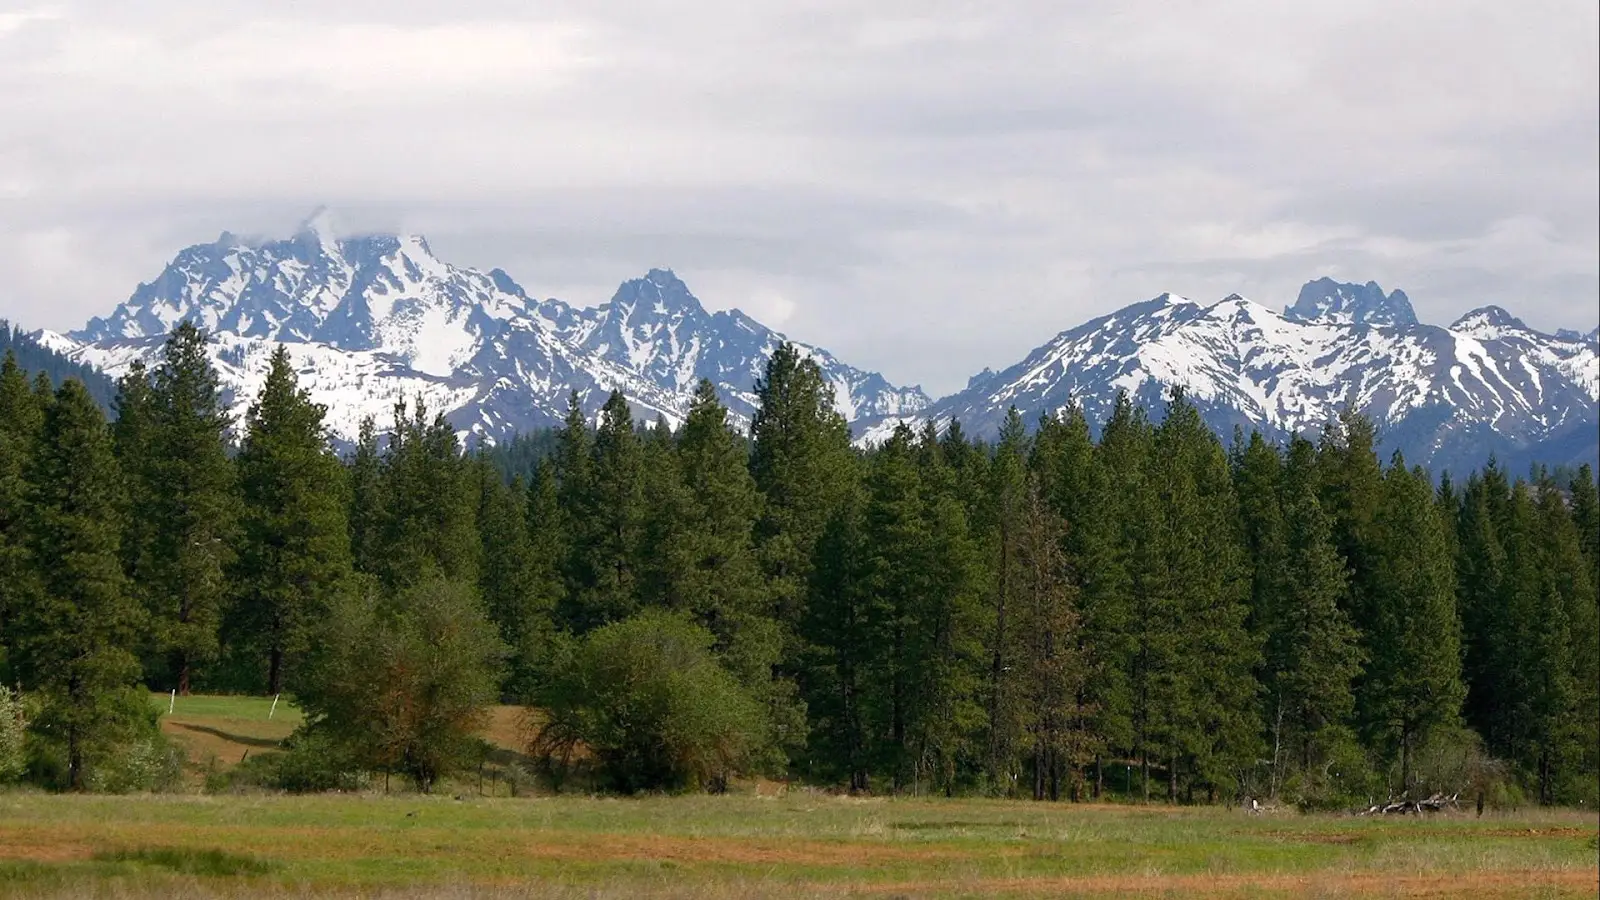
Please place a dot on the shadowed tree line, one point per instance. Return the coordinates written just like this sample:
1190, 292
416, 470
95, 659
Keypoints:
1057, 614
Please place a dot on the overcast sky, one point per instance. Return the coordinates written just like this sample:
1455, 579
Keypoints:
925, 190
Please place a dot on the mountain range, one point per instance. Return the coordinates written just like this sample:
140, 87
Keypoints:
374, 319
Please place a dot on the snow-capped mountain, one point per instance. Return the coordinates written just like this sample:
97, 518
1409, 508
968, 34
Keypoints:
1326, 300
1447, 397
375, 319
655, 326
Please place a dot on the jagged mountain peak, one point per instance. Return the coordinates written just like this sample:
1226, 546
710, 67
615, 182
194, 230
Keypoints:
659, 292
1488, 321
1447, 397
374, 317
656, 326
1346, 303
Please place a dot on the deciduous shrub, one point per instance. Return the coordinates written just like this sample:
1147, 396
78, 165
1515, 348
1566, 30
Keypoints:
405, 683
648, 699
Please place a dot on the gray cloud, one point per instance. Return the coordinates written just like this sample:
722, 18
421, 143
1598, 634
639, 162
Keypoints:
929, 189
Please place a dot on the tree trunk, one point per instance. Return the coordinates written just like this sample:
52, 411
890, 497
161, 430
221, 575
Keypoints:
1405, 759
183, 672
1172, 779
74, 759
997, 699
1099, 775
275, 671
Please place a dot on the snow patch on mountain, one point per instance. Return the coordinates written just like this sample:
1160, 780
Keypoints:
374, 318
1340, 346
655, 326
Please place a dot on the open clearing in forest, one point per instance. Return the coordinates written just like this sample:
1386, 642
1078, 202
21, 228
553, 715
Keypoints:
801, 844
795, 844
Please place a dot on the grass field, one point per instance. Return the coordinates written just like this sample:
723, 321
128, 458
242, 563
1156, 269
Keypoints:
799, 844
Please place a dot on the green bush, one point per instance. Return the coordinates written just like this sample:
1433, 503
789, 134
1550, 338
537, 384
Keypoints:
1342, 778
128, 752
649, 700
406, 681
311, 762
1453, 760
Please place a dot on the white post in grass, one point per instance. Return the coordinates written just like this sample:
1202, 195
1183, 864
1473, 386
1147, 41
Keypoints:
274, 706
173, 703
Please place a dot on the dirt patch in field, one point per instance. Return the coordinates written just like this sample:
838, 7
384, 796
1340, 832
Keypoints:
1309, 837
1442, 884
1538, 832
614, 847
1152, 809
13, 851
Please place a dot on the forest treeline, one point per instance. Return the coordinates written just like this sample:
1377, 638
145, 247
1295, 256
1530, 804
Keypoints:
1145, 613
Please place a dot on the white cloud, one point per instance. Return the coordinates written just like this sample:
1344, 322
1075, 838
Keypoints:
925, 189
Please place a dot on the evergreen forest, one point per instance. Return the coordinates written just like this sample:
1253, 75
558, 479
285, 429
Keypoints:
1141, 611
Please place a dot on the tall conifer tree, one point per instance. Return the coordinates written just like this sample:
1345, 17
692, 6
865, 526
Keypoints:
1313, 655
800, 462
428, 524
294, 548
609, 523
1051, 656
20, 419
1007, 707
75, 631
193, 497
1413, 682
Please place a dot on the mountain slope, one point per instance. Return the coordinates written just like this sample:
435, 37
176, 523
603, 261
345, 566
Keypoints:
656, 327
1444, 396
375, 319
34, 357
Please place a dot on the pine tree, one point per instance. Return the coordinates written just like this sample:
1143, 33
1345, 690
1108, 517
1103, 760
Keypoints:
1586, 516
193, 499
518, 591
75, 630
1413, 682
20, 420
1351, 491
364, 475
1077, 481
841, 649
1480, 579
1051, 656
572, 474
1122, 593
895, 535
1007, 707
1567, 773
1257, 473
800, 460
711, 569
428, 525
609, 523
294, 548
1313, 654
549, 535
1203, 695
1523, 631
133, 434
949, 622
